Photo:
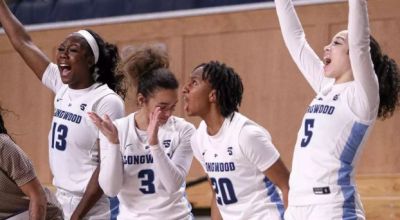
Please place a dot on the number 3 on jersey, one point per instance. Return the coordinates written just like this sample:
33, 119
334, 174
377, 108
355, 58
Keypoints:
224, 191
308, 126
147, 179
58, 136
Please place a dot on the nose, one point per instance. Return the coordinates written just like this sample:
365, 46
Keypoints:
327, 48
167, 113
63, 54
185, 88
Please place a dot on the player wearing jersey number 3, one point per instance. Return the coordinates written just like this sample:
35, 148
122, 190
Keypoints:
146, 156
354, 84
83, 80
242, 164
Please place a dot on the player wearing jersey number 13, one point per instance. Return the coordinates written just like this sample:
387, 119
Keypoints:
354, 84
83, 79
242, 164
149, 177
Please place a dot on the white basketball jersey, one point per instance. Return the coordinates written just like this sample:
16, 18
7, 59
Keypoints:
242, 190
73, 145
324, 159
142, 195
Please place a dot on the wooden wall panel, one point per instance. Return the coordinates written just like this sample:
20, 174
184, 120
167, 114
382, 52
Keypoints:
276, 95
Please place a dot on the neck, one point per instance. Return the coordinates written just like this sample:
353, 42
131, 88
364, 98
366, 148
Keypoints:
141, 120
345, 77
214, 121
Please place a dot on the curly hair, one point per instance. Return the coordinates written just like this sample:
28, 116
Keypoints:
227, 84
389, 80
148, 67
106, 66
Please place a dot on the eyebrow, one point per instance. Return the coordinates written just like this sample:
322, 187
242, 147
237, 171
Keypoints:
165, 103
339, 37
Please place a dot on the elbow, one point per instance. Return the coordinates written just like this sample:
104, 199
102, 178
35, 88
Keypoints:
110, 190
172, 188
20, 43
110, 187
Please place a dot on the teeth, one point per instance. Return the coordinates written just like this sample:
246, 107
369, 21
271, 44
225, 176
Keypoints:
63, 65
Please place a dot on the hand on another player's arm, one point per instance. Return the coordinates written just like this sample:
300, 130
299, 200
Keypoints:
279, 175
154, 124
106, 127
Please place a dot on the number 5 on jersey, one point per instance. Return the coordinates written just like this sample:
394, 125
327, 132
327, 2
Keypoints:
308, 126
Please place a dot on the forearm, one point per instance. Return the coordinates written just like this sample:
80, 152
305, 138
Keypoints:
37, 208
279, 175
302, 54
92, 194
292, 30
111, 169
37, 199
171, 176
215, 214
13, 28
360, 56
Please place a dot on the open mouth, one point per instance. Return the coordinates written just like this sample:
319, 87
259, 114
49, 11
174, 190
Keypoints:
65, 69
327, 60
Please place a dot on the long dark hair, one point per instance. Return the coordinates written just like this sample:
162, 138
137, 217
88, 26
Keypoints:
106, 66
148, 67
389, 80
227, 84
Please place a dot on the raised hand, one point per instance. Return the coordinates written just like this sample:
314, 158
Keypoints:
154, 124
106, 127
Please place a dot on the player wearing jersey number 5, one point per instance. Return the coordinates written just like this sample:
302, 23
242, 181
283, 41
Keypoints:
146, 156
242, 164
354, 84
83, 80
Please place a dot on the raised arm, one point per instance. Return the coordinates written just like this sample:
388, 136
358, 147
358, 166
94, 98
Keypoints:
111, 107
110, 156
303, 55
172, 171
22, 42
367, 93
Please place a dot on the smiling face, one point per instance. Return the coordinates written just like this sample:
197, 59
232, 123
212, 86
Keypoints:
197, 94
336, 58
165, 99
74, 60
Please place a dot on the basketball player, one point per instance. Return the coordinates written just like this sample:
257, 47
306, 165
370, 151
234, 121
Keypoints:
83, 80
242, 164
354, 84
149, 178
21, 193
